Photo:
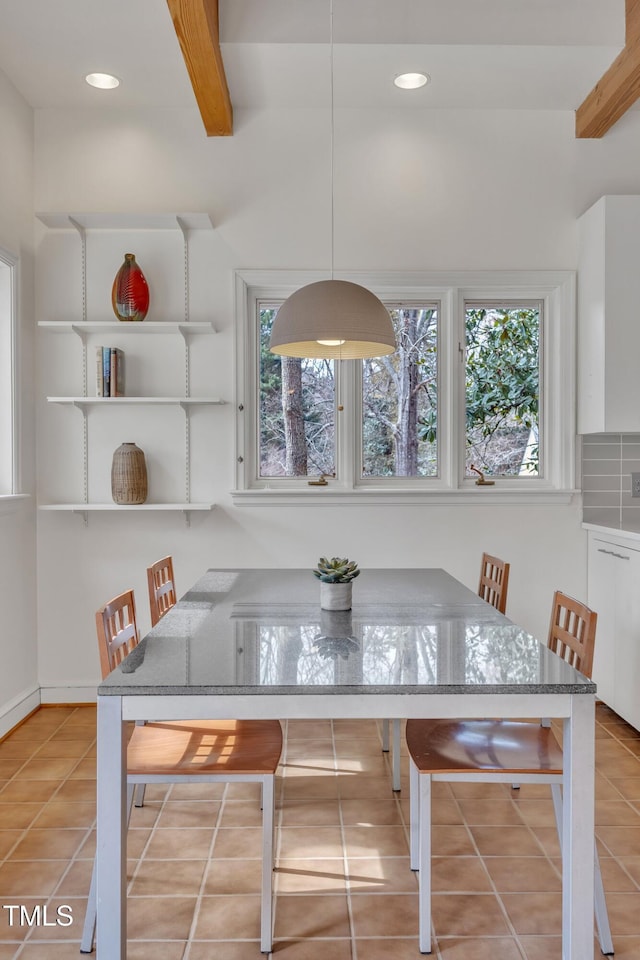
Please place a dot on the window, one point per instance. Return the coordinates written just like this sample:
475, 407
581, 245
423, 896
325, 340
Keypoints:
399, 396
482, 383
296, 410
502, 388
297, 404
8, 323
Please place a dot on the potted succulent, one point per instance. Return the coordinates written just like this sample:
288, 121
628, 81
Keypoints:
336, 576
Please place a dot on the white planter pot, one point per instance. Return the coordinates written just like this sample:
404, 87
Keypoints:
335, 596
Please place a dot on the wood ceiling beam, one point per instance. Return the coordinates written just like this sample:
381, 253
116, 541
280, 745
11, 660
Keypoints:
196, 26
618, 88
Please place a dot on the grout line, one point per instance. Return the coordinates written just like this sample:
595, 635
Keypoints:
55, 793
152, 831
612, 732
629, 803
278, 824
620, 516
345, 858
481, 858
48, 899
209, 858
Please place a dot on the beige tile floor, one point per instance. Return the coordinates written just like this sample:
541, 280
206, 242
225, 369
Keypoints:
344, 890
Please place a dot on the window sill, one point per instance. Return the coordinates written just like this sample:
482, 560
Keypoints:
314, 497
12, 502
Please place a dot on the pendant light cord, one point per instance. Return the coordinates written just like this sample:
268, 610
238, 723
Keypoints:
332, 132
338, 370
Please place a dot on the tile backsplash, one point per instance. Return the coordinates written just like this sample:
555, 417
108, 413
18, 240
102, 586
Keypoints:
608, 460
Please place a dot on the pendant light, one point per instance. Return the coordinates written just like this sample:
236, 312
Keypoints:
332, 319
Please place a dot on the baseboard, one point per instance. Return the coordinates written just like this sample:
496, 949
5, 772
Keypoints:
19, 707
68, 695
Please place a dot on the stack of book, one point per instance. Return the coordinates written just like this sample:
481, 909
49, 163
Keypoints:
109, 372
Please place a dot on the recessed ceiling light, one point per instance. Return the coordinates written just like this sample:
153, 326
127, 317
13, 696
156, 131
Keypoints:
104, 81
411, 81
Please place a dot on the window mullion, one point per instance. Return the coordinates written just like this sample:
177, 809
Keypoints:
451, 390
348, 439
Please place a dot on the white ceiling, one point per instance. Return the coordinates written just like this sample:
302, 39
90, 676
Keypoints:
529, 54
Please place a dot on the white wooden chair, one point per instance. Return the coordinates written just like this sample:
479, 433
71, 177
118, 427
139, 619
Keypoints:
191, 751
497, 751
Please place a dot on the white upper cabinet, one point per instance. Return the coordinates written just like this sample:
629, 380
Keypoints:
609, 317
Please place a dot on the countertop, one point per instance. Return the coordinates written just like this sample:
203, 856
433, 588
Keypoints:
613, 532
413, 631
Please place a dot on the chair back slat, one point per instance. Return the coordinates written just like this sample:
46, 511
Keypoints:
572, 632
117, 631
162, 591
494, 581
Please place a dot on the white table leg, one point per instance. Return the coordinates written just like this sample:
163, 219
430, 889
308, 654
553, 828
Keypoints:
424, 877
395, 756
266, 910
414, 816
385, 736
111, 861
578, 829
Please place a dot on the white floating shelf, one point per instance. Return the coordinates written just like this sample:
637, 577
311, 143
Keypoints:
106, 328
127, 221
92, 507
122, 326
124, 401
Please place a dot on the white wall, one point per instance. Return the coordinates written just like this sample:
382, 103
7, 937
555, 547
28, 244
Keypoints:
18, 677
414, 190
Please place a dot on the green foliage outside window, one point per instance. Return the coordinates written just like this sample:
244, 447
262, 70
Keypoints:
502, 389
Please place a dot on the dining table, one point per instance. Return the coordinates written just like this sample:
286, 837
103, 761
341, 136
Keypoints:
255, 644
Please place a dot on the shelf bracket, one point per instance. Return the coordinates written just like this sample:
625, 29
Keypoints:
85, 453
187, 370
185, 236
187, 453
85, 516
83, 247
80, 332
83, 241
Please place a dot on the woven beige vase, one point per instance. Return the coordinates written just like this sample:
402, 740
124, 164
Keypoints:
129, 475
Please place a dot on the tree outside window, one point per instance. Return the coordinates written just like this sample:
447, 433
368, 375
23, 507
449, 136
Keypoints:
296, 411
400, 399
399, 405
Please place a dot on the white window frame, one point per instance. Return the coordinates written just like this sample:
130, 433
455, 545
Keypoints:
509, 303
10, 473
554, 289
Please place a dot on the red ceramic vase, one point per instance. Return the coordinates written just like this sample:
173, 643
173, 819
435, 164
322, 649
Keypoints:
130, 293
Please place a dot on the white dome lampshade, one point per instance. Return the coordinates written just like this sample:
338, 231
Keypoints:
333, 320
